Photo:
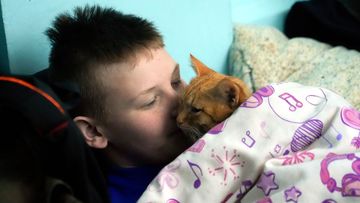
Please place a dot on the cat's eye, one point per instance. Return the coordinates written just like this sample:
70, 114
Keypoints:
195, 110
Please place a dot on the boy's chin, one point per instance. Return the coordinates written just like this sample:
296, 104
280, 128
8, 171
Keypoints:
180, 142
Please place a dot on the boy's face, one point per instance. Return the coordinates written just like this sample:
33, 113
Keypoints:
142, 108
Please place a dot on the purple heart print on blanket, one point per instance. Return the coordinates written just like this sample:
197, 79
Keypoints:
257, 98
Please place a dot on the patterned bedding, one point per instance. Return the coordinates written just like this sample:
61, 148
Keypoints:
286, 143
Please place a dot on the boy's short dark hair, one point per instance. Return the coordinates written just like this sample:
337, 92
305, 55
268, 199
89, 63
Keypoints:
92, 38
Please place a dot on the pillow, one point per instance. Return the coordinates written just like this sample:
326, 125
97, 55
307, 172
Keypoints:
261, 55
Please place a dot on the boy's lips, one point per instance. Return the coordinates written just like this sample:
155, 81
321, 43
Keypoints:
180, 136
175, 132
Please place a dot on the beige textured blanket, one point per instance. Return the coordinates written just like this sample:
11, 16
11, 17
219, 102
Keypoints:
262, 55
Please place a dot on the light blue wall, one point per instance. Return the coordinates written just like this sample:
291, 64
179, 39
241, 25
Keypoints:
261, 12
201, 27
4, 63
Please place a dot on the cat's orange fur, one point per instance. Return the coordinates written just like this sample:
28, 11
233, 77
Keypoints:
210, 98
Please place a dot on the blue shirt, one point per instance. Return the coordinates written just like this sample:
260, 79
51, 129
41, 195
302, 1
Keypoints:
126, 185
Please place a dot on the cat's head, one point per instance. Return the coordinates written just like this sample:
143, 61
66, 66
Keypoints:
210, 98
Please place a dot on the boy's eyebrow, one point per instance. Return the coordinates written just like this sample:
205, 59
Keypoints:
146, 91
175, 71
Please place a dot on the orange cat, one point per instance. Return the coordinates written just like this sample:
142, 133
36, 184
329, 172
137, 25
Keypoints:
210, 98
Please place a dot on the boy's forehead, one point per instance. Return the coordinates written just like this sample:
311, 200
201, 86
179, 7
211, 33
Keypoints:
144, 70
147, 60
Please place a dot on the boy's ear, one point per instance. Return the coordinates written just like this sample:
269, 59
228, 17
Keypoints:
200, 68
230, 92
91, 131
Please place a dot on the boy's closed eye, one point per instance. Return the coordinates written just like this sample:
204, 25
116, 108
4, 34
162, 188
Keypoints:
151, 102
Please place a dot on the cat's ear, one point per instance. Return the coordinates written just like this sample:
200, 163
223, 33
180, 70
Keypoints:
200, 68
232, 93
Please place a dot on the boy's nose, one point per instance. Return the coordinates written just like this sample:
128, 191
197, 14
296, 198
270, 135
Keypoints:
174, 100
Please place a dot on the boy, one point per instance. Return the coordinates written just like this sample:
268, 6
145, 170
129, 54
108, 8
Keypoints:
129, 87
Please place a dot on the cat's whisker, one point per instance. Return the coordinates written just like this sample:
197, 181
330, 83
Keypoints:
192, 132
197, 132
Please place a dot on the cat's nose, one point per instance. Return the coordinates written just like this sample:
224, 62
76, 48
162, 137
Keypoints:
180, 119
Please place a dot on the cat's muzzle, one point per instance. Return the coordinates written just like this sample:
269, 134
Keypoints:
192, 132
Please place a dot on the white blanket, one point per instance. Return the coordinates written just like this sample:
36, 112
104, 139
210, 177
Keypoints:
286, 143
